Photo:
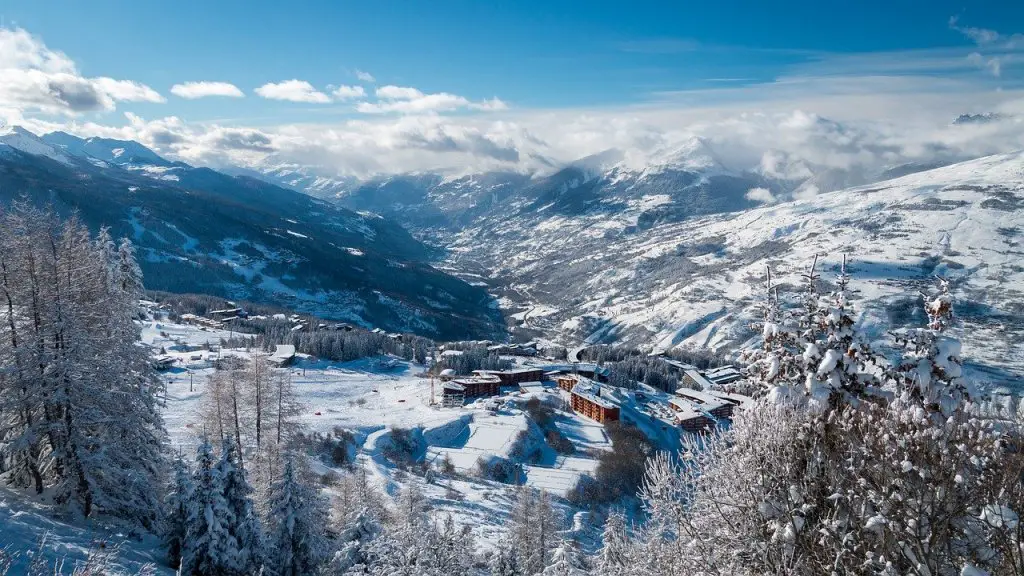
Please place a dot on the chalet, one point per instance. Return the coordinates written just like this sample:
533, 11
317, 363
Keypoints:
283, 355
689, 417
723, 375
707, 402
453, 394
447, 374
587, 400
514, 376
163, 362
694, 379
477, 386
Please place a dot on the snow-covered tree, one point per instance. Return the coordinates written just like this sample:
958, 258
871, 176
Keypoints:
238, 499
299, 516
176, 509
355, 540
565, 561
211, 549
534, 530
932, 368
614, 558
78, 396
503, 562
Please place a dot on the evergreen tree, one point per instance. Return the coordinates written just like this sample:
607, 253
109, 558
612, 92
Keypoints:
176, 508
300, 517
614, 557
238, 499
565, 561
210, 547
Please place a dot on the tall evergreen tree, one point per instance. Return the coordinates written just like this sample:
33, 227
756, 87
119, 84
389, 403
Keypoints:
176, 509
211, 548
238, 499
300, 517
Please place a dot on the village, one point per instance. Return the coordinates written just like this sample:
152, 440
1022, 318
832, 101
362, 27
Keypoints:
699, 404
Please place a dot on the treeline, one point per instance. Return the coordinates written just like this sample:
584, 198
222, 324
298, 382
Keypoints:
78, 414
336, 345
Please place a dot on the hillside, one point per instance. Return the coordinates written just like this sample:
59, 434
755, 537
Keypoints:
198, 230
628, 276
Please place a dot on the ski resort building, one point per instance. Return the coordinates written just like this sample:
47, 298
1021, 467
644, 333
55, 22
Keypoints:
694, 379
587, 400
567, 381
477, 386
737, 400
723, 375
512, 377
284, 355
689, 417
453, 394
707, 402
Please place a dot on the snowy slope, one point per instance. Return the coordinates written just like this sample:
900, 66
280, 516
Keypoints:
694, 281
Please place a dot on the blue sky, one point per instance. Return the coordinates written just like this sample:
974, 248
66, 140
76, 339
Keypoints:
366, 88
528, 53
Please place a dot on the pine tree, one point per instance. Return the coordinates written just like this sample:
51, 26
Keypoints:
300, 516
176, 508
210, 547
932, 369
238, 499
565, 561
356, 538
614, 557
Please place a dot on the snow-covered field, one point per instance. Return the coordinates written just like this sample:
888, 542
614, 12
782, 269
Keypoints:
369, 399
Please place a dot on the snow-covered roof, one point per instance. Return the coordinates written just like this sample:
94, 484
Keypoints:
740, 400
283, 352
706, 400
589, 389
698, 378
454, 386
684, 409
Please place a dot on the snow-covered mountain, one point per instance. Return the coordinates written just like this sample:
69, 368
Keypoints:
680, 266
199, 230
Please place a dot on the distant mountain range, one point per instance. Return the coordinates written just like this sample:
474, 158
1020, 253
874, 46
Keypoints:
199, 230
673, 252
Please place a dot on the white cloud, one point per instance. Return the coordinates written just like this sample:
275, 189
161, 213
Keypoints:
193, 90
391, 92
128, 90
762, 195
293, 91
408, 100
34, 78
348, 92
365, 77
980, 36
